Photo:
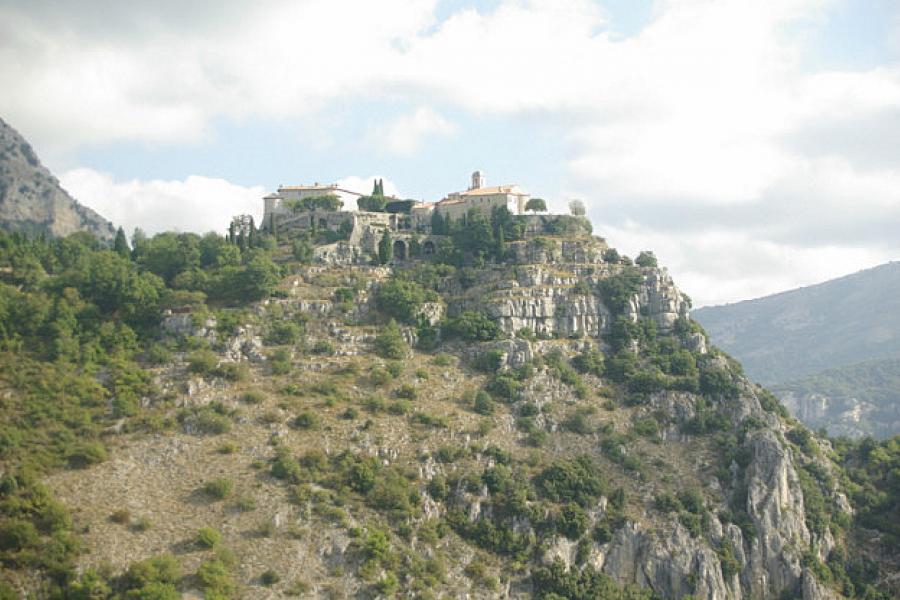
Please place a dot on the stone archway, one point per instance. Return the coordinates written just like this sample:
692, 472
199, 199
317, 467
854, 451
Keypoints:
399, 250
428, 248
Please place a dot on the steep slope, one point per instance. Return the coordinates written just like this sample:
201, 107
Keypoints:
828, 351
854, 401
549, 425
793, 334
31, 199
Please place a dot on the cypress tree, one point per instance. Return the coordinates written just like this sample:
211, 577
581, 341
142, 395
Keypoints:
437, 223
120, 245
385, 249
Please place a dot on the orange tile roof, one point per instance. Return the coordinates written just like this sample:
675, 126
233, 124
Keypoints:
308, 187
500, 189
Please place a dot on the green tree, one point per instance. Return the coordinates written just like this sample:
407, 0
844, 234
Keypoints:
390, 343
385, 248
646, 259
402, 299
303, 251
536, 205
438, 227
120, 245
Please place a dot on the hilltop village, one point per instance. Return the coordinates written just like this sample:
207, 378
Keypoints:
390, 229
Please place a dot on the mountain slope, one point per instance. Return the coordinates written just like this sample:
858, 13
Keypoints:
794, 334
548, 425
854, 401
31, 199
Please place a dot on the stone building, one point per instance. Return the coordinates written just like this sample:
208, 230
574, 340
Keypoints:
485, 199
276, 203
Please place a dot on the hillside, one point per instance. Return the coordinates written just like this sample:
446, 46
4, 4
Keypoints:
31, 199
828, 351
541, 419
854, 401
793, 334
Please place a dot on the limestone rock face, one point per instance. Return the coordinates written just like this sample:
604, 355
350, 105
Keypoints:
674, 565
560, 295
31, 199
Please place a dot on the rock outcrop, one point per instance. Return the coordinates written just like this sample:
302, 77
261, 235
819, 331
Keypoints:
31, 199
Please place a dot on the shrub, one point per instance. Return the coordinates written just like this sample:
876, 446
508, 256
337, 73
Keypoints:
483, 404
202, 361
207, 537
667, 503
691, 500
406, 391
233, 371
718, 382
442, 360
285, 467
572, 521
306, 420
269, 577
379, 377
646, 427
504, 387
253, 397
490, 361
472, 326
578, 422
438, 488
322, 348
611, 255
121, 516
206, 420
218, 488
395, 368
618, 289
283, 333
402, 299
573, 480
390, 343
589, 362
87, 454
163, 569
215, 579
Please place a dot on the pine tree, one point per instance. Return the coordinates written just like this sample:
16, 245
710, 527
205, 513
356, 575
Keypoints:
120, 245
231, 232
501, 244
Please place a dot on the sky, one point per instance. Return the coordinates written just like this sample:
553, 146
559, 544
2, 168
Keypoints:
753, 146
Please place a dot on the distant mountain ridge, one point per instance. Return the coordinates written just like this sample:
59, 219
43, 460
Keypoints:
853, 401
793, 334
830, 352
31, 198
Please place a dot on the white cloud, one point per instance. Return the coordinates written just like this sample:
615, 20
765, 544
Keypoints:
196, 204
404, 135
707, 129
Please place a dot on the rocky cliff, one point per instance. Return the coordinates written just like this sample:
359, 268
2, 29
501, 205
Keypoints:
587, 444
31, 199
